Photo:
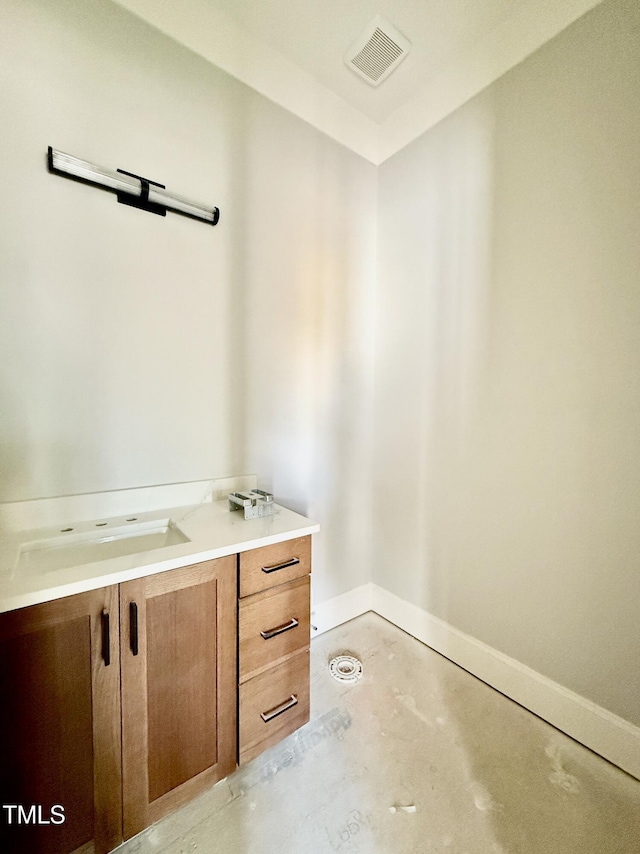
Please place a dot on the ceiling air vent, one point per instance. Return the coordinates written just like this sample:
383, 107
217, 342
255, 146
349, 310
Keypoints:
378, 51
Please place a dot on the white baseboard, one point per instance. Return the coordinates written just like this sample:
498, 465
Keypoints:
601, 731
327, 615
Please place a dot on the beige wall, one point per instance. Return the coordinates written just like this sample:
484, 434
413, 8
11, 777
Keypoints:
507, 476
137, 350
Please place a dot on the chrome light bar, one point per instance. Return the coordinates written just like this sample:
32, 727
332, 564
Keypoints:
131, 189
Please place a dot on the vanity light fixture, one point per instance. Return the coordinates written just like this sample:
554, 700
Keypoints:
131, 189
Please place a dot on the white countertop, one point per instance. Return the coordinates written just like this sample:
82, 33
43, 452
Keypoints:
211, 528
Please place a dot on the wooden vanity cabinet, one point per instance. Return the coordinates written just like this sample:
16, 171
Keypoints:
122, 703
178, 662
273, 644
60, 725
118, 704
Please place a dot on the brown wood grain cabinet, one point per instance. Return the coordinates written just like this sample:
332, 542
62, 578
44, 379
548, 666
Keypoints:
273, 705
273, 646
269, 566
120, 704
178, 661
60, 725
271, 626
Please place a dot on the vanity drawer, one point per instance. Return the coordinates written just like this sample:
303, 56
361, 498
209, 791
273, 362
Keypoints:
269, 566
273, 705
273, 625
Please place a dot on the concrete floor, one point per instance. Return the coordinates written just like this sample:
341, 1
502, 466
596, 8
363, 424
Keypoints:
484, 775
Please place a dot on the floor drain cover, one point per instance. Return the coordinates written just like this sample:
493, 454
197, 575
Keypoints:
345, 668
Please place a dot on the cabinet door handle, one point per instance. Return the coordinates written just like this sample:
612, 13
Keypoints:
133, 627
276, 566
285, 627
106, 639
278, 710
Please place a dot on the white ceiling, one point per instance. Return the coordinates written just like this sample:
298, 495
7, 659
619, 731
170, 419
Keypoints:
315, 34
293, 51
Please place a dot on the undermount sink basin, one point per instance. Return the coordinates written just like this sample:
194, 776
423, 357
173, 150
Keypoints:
68, 548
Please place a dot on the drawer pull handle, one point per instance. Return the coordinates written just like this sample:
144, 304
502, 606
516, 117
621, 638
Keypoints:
133, 627
271, 633
278, 710
106, 638
276, 566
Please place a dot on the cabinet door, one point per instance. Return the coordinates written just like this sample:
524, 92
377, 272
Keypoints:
178, 647
60, 726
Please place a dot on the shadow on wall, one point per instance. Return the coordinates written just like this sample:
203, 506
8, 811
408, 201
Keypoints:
507, 499
435, 273
307, 335
461, 247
